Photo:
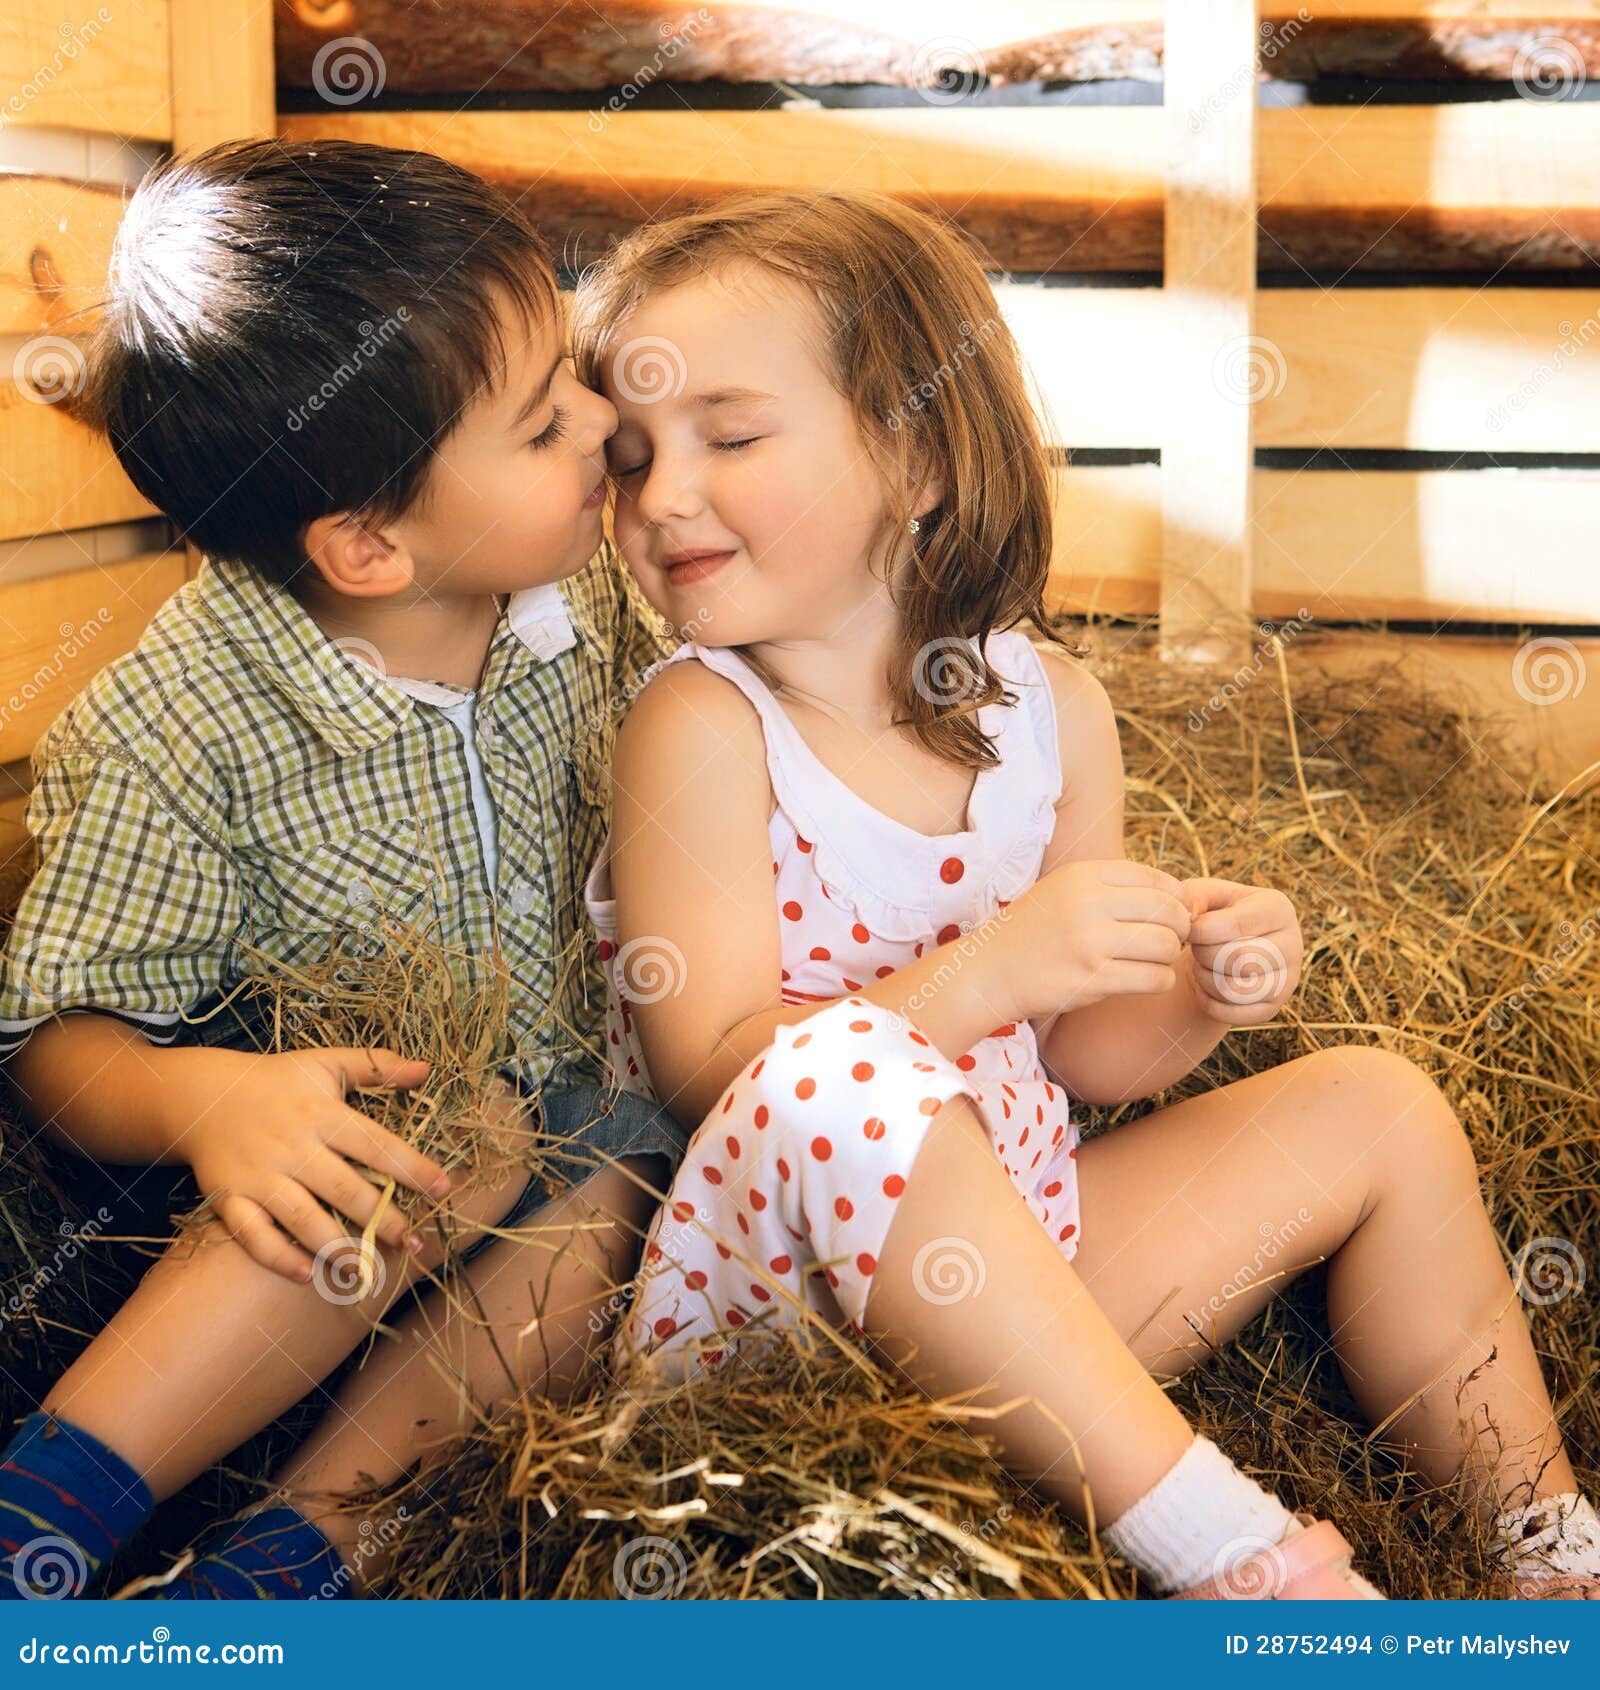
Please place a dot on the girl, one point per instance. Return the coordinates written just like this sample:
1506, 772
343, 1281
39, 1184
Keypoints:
874, 928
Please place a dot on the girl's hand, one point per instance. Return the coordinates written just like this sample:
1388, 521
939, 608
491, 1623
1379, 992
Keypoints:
1247, 950
274, 1135
1089, 930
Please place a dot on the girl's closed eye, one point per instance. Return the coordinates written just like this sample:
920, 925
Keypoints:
553, 430
735, 445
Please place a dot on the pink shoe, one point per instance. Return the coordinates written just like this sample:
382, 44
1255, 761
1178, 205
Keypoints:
1311, 1566
1557, 1587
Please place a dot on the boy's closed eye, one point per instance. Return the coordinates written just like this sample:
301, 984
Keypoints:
553, 430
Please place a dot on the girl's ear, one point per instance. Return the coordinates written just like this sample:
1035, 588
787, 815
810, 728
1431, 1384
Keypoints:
931, 499
357, 558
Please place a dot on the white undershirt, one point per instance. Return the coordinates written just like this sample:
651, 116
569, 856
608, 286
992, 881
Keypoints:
461, 709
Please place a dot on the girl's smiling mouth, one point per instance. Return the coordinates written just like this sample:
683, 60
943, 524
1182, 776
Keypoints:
684, 568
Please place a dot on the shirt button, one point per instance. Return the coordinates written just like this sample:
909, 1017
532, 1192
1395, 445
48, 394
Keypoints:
520, 899
951, 870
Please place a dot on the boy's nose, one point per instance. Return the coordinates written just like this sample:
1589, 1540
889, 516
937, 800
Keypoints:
600, 416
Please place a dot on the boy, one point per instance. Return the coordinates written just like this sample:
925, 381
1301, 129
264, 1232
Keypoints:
338, 369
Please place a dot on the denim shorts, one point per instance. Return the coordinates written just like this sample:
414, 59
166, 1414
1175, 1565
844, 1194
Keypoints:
590, 1123
587, 1123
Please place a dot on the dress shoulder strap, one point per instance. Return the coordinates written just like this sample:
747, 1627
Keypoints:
1015, 659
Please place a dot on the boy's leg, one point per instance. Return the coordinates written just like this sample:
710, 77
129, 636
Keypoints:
528, 1314
213, 1346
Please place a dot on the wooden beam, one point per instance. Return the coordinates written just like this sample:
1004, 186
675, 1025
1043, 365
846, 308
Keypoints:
1349, 545
536, 45
1423, 369
1212, 360
1502, 184
222, 71
55, 473
80, 67
56, 634
55, 247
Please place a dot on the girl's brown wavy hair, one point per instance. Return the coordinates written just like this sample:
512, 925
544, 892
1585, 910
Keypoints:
916, 344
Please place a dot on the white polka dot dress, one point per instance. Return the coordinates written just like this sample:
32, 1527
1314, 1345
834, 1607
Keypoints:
758, 1225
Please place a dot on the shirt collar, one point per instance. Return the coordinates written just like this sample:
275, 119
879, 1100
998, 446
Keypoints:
332, 685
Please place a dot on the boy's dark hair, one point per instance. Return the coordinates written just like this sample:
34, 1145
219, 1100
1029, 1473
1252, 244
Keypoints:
292, 329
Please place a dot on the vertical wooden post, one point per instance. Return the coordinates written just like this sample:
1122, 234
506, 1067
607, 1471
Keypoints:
223, 82
222, 78
1216, 366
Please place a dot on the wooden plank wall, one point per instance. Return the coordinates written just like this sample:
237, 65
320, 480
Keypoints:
88, 100
1412, 376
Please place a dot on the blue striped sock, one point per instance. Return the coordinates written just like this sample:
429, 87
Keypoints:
274, 1555
67, 1504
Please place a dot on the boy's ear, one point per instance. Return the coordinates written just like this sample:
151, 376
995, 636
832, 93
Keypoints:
357, 557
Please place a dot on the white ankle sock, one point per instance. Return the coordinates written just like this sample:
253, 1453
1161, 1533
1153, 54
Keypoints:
1555, 1534
1194, 1523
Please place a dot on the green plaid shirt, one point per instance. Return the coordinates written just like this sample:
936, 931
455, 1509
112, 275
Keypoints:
240, 779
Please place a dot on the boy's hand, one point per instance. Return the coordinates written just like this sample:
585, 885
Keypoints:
1247, 950
274, 1135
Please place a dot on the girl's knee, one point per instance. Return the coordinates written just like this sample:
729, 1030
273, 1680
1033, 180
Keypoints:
1399, 1108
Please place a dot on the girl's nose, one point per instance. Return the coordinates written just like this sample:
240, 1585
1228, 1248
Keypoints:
667, 493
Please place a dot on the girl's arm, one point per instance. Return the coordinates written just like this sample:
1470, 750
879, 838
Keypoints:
1126, 1046
692, 865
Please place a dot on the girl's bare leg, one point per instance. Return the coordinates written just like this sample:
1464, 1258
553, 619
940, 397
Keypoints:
1095, 1431
581, 1248
1196, 1215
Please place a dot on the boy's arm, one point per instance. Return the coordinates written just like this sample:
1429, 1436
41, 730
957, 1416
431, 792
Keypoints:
96, 1086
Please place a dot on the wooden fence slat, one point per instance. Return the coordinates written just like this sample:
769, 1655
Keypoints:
56, 633
222, 71
1421, 369
1498, 184
530, 45
55, 473
1208, 303
100, 68
55, 250
1348, 545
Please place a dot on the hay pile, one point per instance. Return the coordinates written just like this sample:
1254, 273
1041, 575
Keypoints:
1450, 915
